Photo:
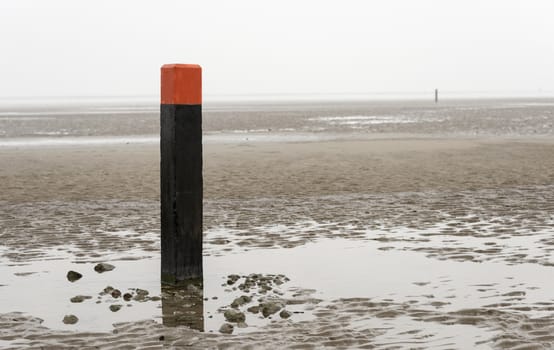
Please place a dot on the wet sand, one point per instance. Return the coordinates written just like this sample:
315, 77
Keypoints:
244, 170
463, 227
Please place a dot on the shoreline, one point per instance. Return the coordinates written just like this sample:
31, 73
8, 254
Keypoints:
240, 137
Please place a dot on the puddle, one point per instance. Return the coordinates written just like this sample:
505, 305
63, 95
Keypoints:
346, 269
47, 292
329, 270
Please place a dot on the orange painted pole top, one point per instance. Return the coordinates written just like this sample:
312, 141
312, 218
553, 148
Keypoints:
181, 84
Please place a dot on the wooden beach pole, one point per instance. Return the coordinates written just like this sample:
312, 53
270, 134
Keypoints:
436, 95
181, 172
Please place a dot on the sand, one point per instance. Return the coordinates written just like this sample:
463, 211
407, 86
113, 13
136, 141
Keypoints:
467, 219
244, 170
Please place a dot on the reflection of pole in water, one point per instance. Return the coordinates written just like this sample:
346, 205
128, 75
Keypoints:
183, 305
436, 95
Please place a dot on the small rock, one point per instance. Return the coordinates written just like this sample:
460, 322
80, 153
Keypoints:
242, 325
73, 276
155, 298
79, 298
226, 328
253, 309
284, 314
115, 307
139, 297
232, 279
142, 292
116, 293
70, 319
127, 296
244, 299
108, 290
161, 338
234, 316
103, 267
265, 287
269, 308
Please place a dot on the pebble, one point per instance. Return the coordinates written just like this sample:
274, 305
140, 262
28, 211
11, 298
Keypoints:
70, 319
244, 299
127, 296
79, 298
116, 293
73, 276
253, 309
269, 308
284, 314
103, 267
232, 279
115, 307
226, 328
234, 316
142, 292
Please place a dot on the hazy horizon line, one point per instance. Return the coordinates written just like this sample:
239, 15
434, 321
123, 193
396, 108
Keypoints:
369, 95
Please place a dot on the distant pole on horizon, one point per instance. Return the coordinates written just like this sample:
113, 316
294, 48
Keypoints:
436, 95
181, 172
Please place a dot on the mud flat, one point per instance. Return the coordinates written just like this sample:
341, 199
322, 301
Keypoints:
389, 242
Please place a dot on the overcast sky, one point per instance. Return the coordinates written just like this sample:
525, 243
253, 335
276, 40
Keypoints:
105, 48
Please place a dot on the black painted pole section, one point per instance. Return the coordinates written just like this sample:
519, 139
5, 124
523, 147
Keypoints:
181, 173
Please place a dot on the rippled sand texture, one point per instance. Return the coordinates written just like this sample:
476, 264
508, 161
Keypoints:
402, 241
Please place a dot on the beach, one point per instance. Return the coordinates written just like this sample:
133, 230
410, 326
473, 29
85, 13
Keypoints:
376, 224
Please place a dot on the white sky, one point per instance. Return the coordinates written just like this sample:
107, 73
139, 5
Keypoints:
105, 48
